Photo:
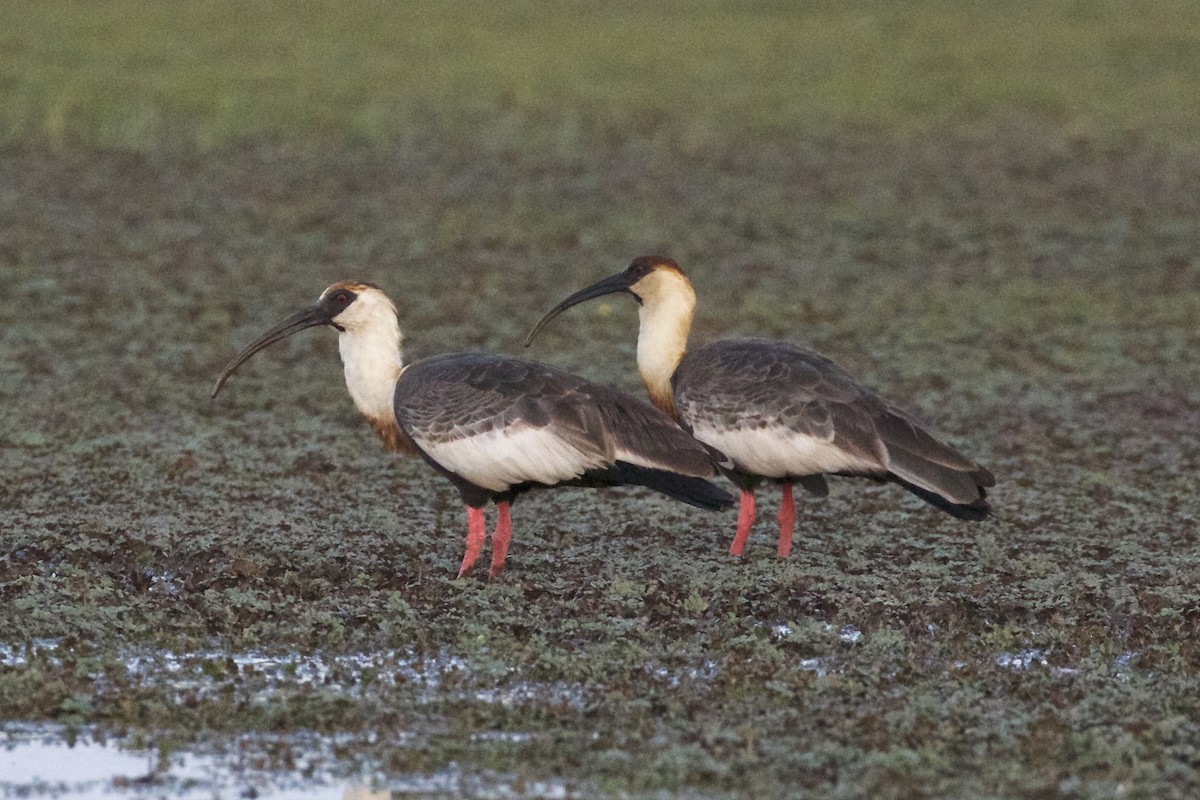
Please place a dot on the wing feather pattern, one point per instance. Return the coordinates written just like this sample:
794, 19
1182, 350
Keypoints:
500, 422
781, 411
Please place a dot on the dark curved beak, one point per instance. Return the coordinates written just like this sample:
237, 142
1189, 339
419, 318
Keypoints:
613, 284
305, 318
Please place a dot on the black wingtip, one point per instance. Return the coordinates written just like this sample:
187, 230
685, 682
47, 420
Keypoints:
694, 491
976, 511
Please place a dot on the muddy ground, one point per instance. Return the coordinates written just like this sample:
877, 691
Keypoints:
1035, 297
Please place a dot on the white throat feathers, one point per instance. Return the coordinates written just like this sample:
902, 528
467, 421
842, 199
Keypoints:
369, 343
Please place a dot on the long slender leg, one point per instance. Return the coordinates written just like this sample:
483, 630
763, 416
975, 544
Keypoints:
745, 520
787, 520
500, 539
475, 534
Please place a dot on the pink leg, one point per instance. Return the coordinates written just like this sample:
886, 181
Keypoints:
500, 539
745, 520
787, 520
475, 533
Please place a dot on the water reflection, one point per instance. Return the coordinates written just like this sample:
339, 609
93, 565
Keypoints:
52, 762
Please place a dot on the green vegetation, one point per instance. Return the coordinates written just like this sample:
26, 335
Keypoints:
137, 73
1012, 250
138, 513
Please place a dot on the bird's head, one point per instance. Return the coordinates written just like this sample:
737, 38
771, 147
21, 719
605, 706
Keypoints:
653, 281
353, 307
348, 306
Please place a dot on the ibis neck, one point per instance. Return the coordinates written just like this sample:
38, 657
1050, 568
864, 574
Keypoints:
662, 341
372, 361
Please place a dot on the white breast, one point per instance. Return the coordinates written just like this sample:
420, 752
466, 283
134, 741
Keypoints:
371, 362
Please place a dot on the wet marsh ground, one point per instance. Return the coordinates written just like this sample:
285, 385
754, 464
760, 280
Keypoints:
1037, 298
254, 581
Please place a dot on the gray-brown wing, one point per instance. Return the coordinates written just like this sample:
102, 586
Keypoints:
500, 421
762, 384
761, 390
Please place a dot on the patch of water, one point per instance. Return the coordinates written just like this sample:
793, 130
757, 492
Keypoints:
1022, 659
256, 677
704, 672
38, 761
16, 655
1122, 665
822, 665
847, 633
1036, 657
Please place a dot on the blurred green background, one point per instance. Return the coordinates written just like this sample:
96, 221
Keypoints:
136, 73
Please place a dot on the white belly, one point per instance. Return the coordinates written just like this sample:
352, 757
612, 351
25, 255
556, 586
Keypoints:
779, 453
499, 459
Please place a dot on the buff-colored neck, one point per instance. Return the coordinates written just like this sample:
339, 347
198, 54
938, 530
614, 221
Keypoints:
371, 357
668, 304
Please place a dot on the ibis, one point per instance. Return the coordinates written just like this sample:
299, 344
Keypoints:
777, 411
494, 425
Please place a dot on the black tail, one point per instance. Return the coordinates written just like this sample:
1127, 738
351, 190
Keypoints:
974, 511
693, 491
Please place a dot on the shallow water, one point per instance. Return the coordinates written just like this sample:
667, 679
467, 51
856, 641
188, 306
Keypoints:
255, 675
39, 762
46, 760
50, 761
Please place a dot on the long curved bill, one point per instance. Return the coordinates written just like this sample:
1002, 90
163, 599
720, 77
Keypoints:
305, 318
610, 285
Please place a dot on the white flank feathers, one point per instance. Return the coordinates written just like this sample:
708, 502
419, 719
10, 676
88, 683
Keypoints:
779, 453
516, 454
638, 460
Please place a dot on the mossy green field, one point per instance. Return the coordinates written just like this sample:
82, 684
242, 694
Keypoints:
989, 212
134, 73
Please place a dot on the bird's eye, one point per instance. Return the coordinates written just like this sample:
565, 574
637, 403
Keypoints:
341, 298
